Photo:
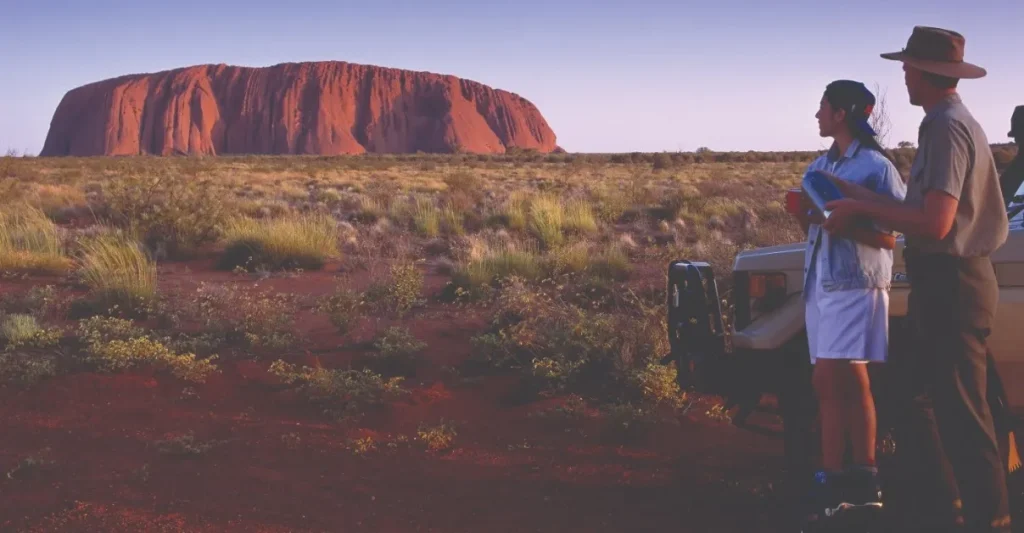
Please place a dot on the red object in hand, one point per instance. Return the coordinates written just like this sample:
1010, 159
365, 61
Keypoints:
795, 202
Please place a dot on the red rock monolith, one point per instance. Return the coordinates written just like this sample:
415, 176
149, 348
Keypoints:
325, 108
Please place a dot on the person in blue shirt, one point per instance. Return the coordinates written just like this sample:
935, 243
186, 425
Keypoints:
846, 293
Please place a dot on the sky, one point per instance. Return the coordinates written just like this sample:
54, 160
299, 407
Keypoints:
607, 76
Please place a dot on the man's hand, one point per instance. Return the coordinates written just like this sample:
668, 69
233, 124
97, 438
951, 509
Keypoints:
844, 213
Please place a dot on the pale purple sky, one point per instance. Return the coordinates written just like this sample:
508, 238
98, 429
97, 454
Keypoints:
608, 76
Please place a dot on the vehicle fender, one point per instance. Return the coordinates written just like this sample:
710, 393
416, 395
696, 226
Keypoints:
773, 330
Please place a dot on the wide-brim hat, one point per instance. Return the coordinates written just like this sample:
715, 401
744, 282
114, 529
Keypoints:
938, 51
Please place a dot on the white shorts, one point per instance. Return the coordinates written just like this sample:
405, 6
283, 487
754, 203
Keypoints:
848, 324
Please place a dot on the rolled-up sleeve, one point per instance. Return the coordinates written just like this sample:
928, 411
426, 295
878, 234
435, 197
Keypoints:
889, 183
892, 183
947, 158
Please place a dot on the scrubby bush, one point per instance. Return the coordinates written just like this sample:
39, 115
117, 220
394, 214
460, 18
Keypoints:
561, 347
23, 331
116, 345
253, 319
342, 393
343, 307
396, 351
172, 214
398, 293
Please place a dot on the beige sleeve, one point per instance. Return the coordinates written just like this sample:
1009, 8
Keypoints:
947, 159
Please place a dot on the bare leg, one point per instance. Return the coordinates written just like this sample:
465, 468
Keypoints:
860, 414
828, 384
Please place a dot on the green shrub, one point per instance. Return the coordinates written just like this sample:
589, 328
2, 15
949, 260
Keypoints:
563, 347
343, 307
175, 215
437, 438
399, 292
343, 393
115, 345
40, 301
397, 349
26, 368
257, 320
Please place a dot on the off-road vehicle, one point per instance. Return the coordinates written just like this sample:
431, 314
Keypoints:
761, 351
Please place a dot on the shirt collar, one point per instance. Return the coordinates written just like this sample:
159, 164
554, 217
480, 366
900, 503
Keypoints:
946, 103
851, 151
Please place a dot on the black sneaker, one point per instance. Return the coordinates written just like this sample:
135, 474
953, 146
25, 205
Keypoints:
858, 502
863, 488
823, 500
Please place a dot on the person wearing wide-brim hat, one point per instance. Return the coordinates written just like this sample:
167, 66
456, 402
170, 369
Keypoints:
1013, 176
953, 218
1017, 124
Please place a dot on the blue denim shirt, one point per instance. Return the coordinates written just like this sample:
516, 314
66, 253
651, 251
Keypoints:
847, 264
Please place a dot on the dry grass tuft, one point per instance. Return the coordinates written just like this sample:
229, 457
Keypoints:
30, 242
117, 270
304, 241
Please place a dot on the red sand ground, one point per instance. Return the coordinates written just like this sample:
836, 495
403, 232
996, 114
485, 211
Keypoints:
280, 465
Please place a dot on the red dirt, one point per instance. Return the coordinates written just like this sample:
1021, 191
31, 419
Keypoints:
325, 108
280, 465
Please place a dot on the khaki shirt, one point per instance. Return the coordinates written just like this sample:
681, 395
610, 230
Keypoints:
954, 156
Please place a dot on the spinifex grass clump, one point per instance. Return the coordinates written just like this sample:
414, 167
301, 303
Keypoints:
305, 241
118, 271
545, 220
30, 242
579, 217
487, 263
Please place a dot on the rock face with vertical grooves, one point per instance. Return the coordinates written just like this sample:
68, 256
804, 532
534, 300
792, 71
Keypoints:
325, 108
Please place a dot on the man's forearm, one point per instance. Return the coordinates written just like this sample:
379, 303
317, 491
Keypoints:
867, 195
905, 219
873, 238
933, 220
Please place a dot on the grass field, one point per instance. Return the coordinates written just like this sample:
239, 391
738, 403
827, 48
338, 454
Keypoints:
391, 343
